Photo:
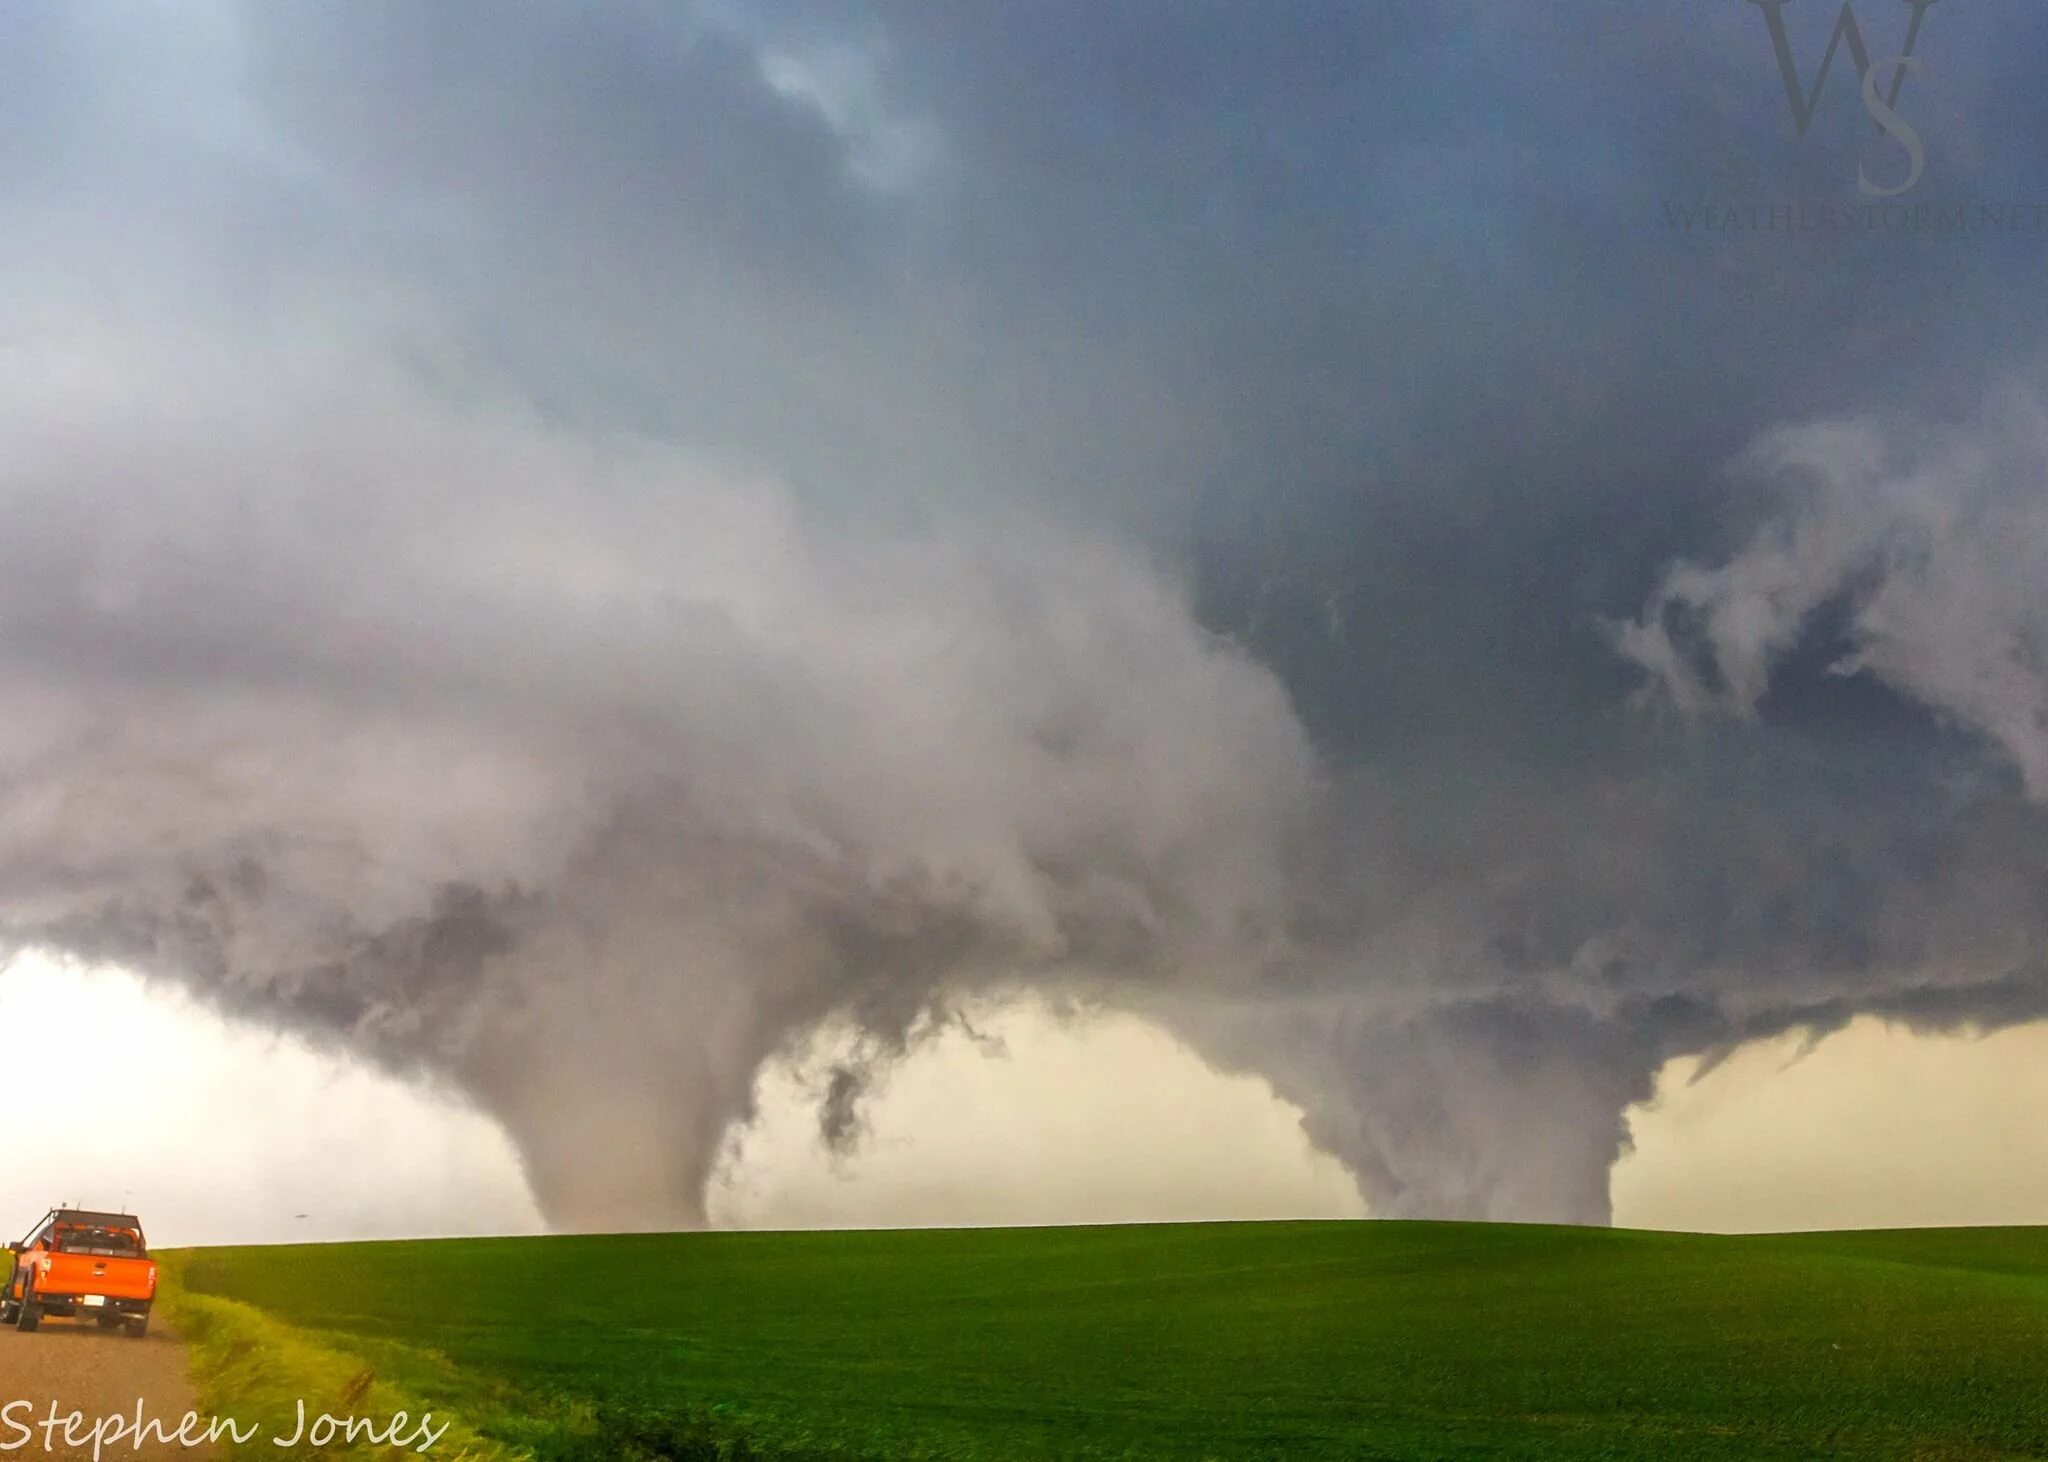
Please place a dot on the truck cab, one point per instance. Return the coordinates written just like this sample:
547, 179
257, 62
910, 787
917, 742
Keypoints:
79, 1264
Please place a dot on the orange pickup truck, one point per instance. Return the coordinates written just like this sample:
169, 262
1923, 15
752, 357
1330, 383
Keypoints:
82, 1265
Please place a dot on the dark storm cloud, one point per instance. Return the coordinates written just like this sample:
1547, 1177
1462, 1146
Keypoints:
571, 545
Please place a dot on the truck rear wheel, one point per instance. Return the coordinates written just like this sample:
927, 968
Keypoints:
28, 1315
138, 1328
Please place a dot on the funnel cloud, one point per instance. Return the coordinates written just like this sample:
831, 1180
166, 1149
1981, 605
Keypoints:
571, 550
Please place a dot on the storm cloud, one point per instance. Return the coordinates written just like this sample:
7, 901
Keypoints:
569, 547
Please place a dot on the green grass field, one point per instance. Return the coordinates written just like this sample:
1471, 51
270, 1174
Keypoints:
1229, 1341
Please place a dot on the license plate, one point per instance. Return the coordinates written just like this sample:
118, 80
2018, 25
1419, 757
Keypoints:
92, 1301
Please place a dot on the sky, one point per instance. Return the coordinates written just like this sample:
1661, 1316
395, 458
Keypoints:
658, 568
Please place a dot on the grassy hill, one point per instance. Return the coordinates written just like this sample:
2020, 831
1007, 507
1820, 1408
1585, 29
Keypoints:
1228, 1341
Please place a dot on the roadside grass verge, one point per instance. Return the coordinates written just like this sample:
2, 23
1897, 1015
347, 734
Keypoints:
251, 1366
259, 1370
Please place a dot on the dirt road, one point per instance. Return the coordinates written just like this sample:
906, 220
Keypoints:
98, 1374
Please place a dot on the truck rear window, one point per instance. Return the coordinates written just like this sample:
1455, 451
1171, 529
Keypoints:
103, 1242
